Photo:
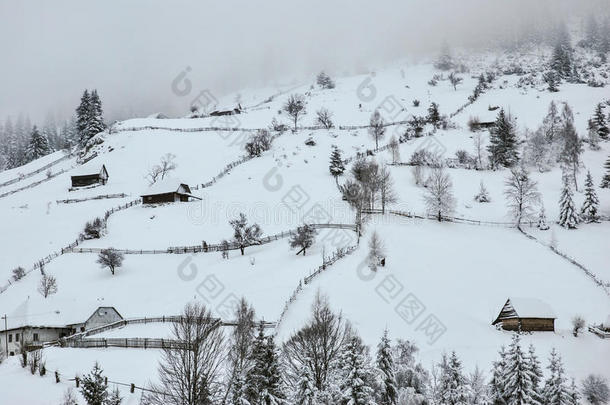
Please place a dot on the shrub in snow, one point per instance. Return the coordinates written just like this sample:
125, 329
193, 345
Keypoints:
47, 285
258, 143
114, 398
94, 388
578, 322
416, 103
324, 81
483, 195
376, 251
69, 397
18, 273
588, 212
473, 123
455, 80
277, 126
424, 157
94, 229
595, 390
42, 368
310, 142
434, 116
542, 224
110, 258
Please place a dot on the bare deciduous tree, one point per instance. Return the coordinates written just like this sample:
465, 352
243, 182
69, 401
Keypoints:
158, 172
377, 128
386, 188
47, 285
192, 376
325, 118
376, 251
578, 322
479, 148
439, 197
317, 345
295, 107
394, 150
521, 195
110, 258
455, 80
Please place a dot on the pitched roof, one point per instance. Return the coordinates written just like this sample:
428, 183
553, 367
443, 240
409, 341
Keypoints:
88, 170
517, 307
167, 185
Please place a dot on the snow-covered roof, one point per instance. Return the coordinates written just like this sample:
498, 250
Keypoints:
167, 185
518, 307
87, 170
37, 313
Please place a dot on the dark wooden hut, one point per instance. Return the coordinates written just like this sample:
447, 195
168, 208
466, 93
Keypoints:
167, 190
87, 176
527, 315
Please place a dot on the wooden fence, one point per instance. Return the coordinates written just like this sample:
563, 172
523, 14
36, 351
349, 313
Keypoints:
129, 343
218, 247
69, 248
34, 184
97, 197
30, 174
597, 330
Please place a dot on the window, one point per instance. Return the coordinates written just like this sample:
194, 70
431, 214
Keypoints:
10, 338
35, 337
16, 337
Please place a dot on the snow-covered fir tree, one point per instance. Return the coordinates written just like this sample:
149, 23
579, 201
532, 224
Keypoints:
562, 59
453, 389
503, 142
385, 367
555, 391
337, 167
264, 381
483, 195
497, 385
94, 388
89, 116
542, 222
601, 124
478, 394
588, 212
355, 374
568, 217
573, 394
518, 376
572, 145
83, 112
306, 389
593, 135
96, 123
38, 146
606, 179
535, 369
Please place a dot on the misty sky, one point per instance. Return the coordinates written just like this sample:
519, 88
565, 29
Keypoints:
131, 50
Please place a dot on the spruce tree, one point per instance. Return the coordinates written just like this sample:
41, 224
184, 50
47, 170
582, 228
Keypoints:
94, 388
503, 142
606, 179
83, 112
497, 386
385, 366
533, 365
355, 388
264, 381
572, 144
562, 57
306, 390
38, 146
573, 394
518, 376
453, 386
555, 391
588, 212
542, 223
255, 380
272, 392
96, 123
568, 218
599, 118
434, 116
336, 168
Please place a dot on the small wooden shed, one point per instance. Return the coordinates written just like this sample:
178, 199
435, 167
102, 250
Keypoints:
89, 175
527, 315
167, 190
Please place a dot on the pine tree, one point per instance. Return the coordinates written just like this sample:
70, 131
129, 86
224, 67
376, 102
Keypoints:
38, 146
542, 223
518, 377
96, 123
385, 366
264, 381
453, 386
497, 384
593, 135
588, 212
568, 218
573, 394
434, 116
94, 388
114, 398
503, 142
336, 168
255, 380
533, 365
306, 390
572, 144
83, 112
555, 391
355, 386
599, 118
606, 179
562, 57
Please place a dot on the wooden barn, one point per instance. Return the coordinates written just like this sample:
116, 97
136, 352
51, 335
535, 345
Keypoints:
483, 125
527, 315
87, 176
167, 190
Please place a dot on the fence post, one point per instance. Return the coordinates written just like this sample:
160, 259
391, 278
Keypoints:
77, 380
132, 389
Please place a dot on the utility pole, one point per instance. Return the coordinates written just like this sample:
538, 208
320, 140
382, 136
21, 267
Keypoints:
5, 334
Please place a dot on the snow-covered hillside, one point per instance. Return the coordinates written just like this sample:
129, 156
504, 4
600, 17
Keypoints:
461, 273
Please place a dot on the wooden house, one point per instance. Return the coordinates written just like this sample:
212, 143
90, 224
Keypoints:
483, 125
86, 176
102, 316
527, 315
167, 190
